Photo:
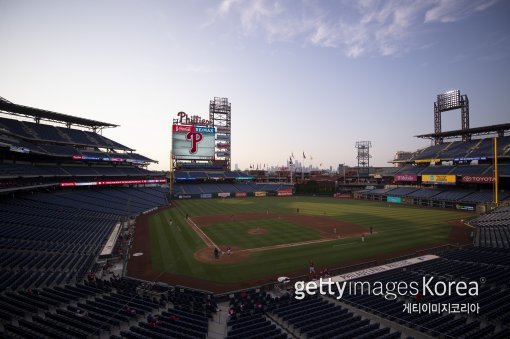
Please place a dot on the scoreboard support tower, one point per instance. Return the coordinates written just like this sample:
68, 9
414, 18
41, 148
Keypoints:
449, 101
220, 117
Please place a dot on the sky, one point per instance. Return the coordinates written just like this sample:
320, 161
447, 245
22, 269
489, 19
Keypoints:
302, 76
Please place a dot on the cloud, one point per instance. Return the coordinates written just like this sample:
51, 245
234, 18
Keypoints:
445, 11
226, 5
358, 28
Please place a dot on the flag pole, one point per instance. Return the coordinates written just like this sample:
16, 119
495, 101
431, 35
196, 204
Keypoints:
303, 168
291, 170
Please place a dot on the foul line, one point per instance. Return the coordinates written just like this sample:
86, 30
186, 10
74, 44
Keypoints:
274, 247
347, 243
211, 243
201, 234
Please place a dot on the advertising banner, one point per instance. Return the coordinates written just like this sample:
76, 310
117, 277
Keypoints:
285, 193
223, 195
205, 196
182, 128
342, 195
470, 159
135, 161
396, 200
192, 142
223, 129
478, 179
184, 196
465, 207
260, 194
383, 268
405, 177
113, 182
90, 157
241, 194
439, 179
424, 161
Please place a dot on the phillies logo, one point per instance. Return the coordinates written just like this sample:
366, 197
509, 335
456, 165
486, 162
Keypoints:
195, 138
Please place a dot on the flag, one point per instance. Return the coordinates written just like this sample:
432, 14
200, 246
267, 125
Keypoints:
304, 157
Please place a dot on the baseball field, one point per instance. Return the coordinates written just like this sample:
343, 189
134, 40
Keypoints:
262, 238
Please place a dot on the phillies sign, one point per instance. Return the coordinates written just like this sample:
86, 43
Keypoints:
193, 142
478, 179
185, 119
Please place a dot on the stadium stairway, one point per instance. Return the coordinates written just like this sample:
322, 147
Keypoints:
218, 324
284, 330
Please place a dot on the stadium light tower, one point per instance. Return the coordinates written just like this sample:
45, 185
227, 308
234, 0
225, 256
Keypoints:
219, 116
363, 156
449, 101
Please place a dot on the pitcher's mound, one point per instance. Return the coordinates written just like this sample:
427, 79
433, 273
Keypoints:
206, 255
257, 231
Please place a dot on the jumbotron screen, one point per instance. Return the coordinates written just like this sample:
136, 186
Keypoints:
193, 142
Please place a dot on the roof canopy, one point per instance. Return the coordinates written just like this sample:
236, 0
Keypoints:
493, 129
37, 113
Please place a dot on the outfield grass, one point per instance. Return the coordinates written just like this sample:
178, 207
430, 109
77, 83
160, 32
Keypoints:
398, 228
279, 232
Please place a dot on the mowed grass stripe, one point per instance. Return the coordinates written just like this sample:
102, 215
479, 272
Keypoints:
279, 232
182, 243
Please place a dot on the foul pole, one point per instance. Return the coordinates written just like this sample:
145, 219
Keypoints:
496, 174
170, 176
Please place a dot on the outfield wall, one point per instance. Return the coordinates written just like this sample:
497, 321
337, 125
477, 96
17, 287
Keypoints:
282, 193
422, 201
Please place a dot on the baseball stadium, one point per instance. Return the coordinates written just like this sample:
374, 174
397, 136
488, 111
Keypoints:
95, 245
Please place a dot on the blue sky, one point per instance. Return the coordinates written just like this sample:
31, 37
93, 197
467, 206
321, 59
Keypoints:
312, 76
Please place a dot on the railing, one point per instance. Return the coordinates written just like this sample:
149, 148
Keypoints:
431, 250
